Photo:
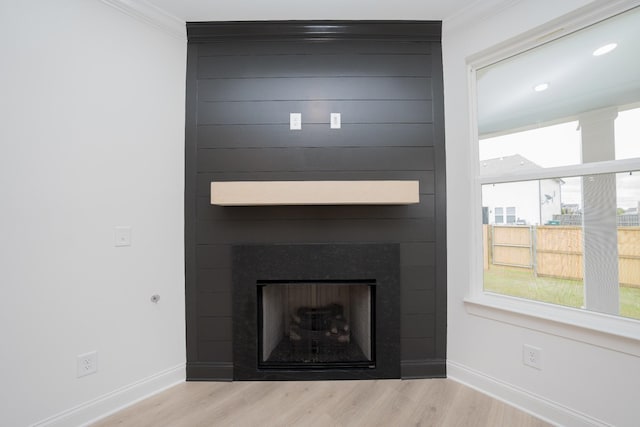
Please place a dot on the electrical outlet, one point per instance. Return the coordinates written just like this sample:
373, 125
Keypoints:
295, 121
87, 363
123, 236
532, 356
335, 120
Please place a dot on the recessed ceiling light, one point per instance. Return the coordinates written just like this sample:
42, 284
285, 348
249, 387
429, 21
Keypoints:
541, 87
605, 49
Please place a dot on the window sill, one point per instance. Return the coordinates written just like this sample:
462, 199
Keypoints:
611, 332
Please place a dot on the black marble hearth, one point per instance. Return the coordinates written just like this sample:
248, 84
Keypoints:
316, 352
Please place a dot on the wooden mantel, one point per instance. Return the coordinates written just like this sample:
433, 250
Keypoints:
262, 193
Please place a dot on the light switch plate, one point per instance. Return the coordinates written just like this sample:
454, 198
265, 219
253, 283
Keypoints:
335, 121
123, 236
295, 121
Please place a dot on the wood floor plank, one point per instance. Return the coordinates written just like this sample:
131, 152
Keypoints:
433, 400
436, 402
306, 406
468, 409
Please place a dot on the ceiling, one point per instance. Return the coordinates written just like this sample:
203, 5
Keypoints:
578, 81
249, 10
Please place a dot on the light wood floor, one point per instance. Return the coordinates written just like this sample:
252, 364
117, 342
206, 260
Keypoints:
437, 402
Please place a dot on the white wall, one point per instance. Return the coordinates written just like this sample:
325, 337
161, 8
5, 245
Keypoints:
91, 137
524, 196
579, 383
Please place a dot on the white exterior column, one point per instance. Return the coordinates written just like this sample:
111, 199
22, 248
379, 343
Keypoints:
599, 218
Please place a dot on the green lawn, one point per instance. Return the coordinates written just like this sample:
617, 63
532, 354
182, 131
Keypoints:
522, 283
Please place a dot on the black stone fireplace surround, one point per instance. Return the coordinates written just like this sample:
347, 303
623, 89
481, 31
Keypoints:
378, 264
243, 81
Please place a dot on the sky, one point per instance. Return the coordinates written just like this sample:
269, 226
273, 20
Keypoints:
559, 145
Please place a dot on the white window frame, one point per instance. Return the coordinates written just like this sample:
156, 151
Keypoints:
495, 215
506, 215
614, 332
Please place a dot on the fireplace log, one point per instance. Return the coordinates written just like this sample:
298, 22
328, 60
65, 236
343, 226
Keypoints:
339, 325
294, 333
344, 338
320, 324
297, 334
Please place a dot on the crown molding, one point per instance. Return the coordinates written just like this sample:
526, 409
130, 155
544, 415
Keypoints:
313, 30
152, 15
477, 11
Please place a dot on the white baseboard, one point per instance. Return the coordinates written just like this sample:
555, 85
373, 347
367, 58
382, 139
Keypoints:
105, 405
524, 400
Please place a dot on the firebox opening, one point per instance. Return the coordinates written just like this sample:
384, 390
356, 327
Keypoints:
316, 324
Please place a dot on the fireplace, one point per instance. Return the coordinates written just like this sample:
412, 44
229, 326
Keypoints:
324, 311
316, 325
243, 81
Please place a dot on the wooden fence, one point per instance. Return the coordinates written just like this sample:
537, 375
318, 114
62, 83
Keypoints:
559, 252
556, 251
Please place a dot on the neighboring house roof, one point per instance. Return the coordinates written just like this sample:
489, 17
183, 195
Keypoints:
508, 164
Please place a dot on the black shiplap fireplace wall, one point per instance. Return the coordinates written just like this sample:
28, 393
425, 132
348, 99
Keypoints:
243, 80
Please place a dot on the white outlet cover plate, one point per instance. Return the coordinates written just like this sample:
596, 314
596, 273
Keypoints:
123, 236
336, 122
87, 363
295, 121
532, 356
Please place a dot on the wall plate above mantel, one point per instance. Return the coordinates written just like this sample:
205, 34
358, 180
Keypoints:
264, 193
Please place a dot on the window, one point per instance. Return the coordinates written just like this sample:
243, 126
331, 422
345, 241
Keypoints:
511, 215
559, 160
